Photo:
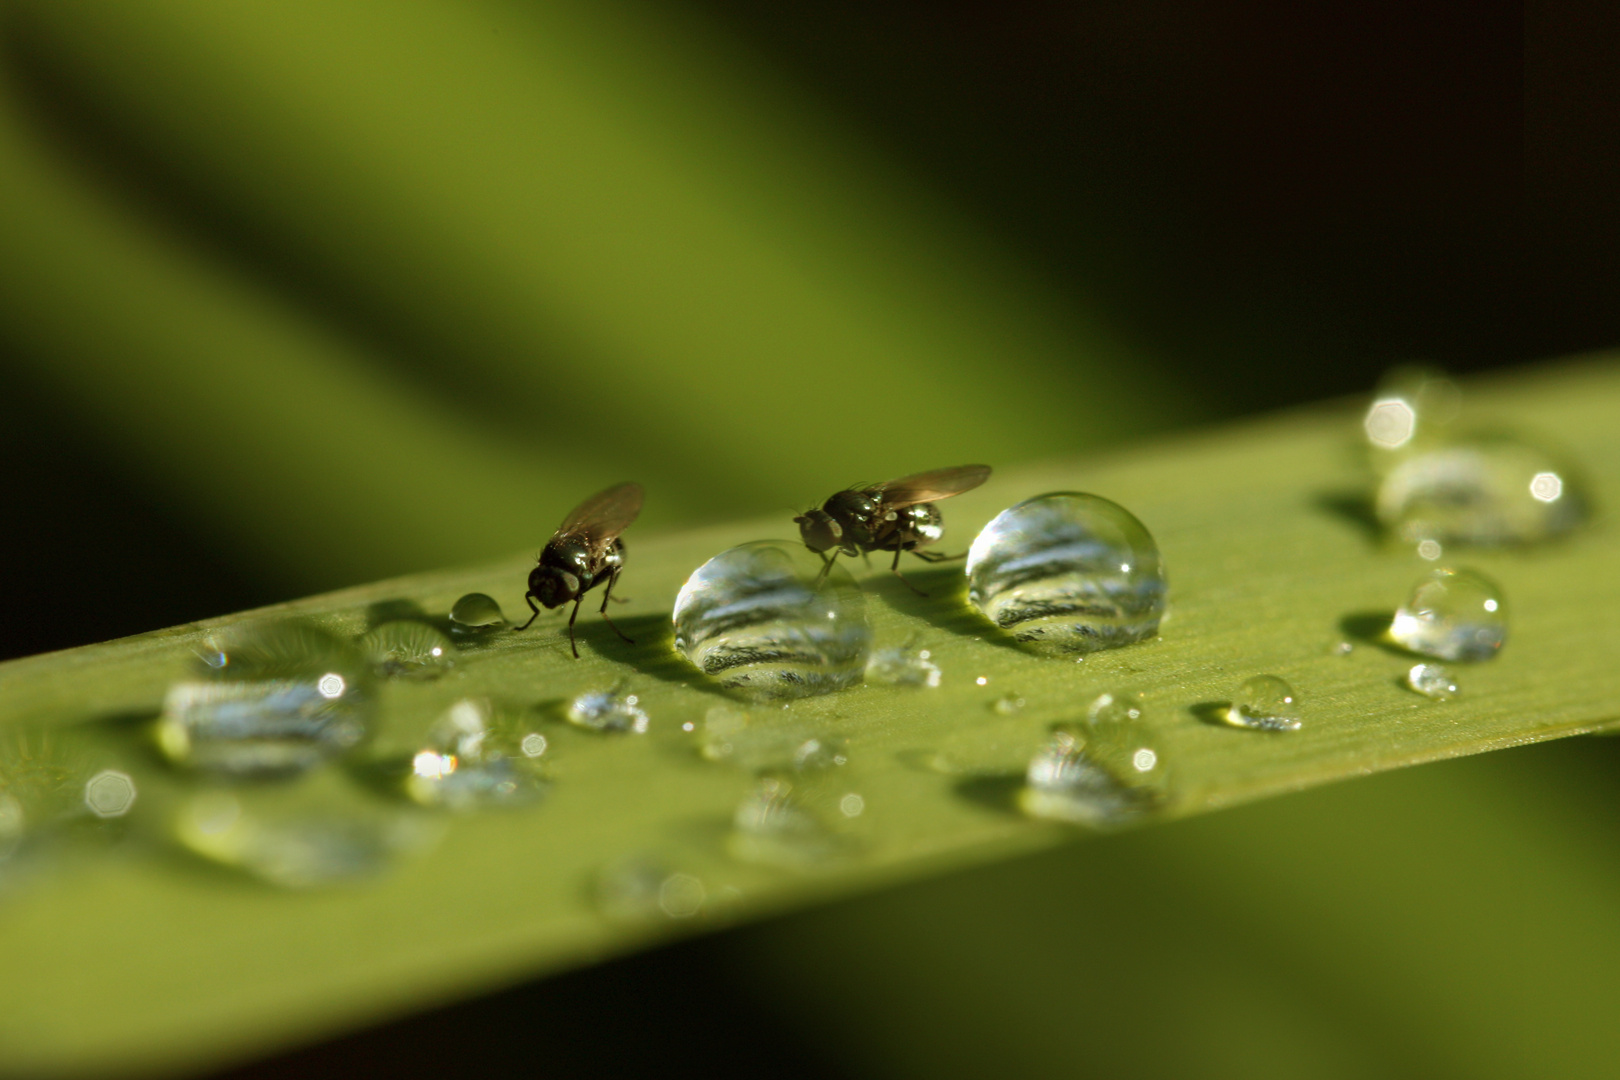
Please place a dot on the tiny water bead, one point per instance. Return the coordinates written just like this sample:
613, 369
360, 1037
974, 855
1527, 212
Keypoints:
755, 619
1483, 491
1452, 615
476, 612
614, 709
1265, 703
1068, 573
904, 665
275, 697
476, 755
1007, 705
1432, 681
409, 648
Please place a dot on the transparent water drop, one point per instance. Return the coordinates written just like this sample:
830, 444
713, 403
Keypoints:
615, 709
1068, 573
409, 648
1412, 406
1007, 705
275, 697
643, 888
1432, 681
754, 619
47, 776
1452, 615
298, 843
476, 612
1096, 774
776, 825
1484, 491
759, 740
904, 665
1341, 648
478, 754
1266, 703
1114, 707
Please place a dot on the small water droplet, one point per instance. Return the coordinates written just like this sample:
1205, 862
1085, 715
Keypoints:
1432, 681
1266, 703
46, 776
982, 680
287, 696
1485, 490
1068, 573
1341, 648
755, 619
477, 754
1413, 405
643, 888
409, 648
476, 612
852, 805
756, 741
110, 793
1096, 774
1452, 615
905, 665
1114, 707
775, 825
298, 843
1007, 705
615, 709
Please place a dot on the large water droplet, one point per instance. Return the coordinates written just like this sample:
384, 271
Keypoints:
1432, 681
1453, 615
476, 612
478, 754
297, 843
269, 698
1265, 702
1068, 573
614, 709
1485, 491
409, 648
755, 619
1096, 774
903, 665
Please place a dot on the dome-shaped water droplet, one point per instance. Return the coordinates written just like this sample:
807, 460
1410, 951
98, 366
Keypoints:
780, 823
1484, 491
1068, 573
478, 754
298, 839
1007, 704
1265, 702
476, 612
756, 619
409, 648
1096, 774
268, 698
756, 740
614, 709
1453, 615
903, 665
1432, 681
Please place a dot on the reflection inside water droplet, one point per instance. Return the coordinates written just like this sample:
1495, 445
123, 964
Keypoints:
274, 697
1432, 681
1452, 615
615, 709
1067, 573
1413, 406
408, 648
754, 619
1265, 703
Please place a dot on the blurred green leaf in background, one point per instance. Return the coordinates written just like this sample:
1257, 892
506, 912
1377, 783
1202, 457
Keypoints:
303, 294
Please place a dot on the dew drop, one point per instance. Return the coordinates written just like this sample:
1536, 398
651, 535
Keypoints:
1483, 491
757, 740
852, 805
1432, 681
1265, 703
754, 619
1452, 615
642, 889
1067, 573
775, 825
1096, 774
1007, 705
615, 710
49, 777
475, 612
1413, 406
477, 754
409, 648
275, 697
905, 665
110, 793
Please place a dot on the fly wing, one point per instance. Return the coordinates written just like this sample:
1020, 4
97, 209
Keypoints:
932, 486
603, 516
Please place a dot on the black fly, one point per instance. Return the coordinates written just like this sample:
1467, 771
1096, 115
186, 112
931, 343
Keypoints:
583, 552
896, 516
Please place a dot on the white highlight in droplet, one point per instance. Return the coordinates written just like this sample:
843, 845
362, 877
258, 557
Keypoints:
1547, 486
331, 685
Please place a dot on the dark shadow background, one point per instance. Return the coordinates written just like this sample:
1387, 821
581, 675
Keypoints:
1284, 199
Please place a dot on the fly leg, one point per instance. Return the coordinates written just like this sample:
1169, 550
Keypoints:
937, 556
607, 594
896, 569
571, 617
530, 598
826, 567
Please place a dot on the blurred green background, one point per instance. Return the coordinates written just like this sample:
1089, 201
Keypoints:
299, 295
